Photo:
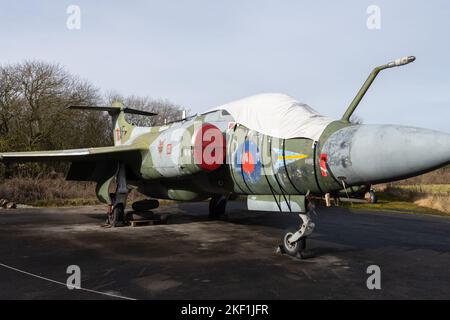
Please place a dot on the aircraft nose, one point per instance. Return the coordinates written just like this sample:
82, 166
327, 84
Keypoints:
366, 154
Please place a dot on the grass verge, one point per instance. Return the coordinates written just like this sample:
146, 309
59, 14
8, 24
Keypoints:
389, 202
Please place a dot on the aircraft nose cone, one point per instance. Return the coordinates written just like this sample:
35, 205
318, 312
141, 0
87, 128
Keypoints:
381, 153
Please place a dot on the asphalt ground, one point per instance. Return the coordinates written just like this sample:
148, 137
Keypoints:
191, 257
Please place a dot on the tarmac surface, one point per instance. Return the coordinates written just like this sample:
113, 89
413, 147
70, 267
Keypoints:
191, 257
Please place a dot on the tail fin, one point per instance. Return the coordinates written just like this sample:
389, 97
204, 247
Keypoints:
122, 129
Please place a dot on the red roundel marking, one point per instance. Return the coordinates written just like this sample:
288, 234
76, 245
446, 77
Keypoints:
209, 147
248, 162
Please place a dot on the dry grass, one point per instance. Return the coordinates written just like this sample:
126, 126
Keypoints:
430, 196
436, 177
388, 202
443, 189
437, 202
51, 192
33, 191
431, 190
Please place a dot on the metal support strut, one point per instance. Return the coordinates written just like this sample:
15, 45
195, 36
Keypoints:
294, 243
116, 217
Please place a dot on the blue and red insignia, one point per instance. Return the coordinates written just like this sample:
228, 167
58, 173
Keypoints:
248, 162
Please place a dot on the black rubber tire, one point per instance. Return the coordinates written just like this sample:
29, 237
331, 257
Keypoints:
145, 205
217, 207
293, 249
117, 216
109, 218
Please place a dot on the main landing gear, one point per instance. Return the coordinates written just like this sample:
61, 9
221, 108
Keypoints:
116, 214
294, 242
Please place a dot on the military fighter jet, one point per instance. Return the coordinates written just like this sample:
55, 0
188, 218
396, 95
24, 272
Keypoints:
278, 152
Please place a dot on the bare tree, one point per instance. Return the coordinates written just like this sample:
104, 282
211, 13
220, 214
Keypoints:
9, 98
33, 114
46, 90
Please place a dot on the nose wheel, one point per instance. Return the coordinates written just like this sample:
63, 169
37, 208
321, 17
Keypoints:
293, 248
294, 242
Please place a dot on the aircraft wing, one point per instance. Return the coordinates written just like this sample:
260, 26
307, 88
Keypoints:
88, 164
113, 153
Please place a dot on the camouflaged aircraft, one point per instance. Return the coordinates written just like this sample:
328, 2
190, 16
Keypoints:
278, 152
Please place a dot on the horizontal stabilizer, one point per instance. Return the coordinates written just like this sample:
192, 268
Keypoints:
114, 109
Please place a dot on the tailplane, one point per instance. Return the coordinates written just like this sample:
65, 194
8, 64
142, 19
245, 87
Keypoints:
122, 129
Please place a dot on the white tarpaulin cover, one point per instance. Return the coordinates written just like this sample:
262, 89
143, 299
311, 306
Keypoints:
277, 115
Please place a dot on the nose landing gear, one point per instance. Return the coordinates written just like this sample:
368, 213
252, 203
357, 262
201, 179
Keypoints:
294, 242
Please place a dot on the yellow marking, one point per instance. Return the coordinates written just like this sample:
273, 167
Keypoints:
293, 157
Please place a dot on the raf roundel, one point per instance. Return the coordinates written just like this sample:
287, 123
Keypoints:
248, 162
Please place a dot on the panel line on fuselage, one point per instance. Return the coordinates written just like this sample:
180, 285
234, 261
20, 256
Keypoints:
272, 190
285, 166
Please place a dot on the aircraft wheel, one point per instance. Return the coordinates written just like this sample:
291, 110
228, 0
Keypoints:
116, 217
293, 249
217, 206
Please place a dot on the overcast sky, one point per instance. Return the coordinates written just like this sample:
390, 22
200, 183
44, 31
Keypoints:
203, 53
